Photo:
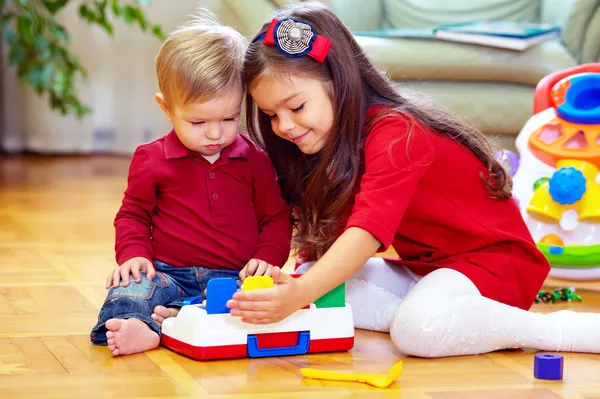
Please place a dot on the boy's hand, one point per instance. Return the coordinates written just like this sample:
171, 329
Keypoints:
133, 266
256, 267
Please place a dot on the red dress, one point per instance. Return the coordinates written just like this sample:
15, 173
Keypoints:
422, 194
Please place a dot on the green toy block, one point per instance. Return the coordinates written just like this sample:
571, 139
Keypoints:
336, 298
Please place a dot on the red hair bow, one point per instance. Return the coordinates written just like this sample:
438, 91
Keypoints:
295, 39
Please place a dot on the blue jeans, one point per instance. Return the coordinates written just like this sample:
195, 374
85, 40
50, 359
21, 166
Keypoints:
170, 287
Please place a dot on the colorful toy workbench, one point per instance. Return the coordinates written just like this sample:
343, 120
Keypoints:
211, 332
557, 182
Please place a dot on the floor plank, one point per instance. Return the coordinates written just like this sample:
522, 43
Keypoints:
56, 248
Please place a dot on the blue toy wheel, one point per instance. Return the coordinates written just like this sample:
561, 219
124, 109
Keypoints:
582, 100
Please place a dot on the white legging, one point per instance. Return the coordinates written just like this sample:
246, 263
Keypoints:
443, 314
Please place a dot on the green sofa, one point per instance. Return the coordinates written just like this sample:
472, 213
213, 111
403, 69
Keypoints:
492, 88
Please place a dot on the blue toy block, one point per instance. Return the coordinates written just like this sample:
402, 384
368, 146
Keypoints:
218, 292
193, 300
556, 250
548, 367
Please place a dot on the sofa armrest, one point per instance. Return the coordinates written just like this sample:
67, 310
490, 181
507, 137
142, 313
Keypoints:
248, 16
590, 51
557, 12
580, 23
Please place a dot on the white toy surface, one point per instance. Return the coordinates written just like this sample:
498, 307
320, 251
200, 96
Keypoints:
202, 335
557, 184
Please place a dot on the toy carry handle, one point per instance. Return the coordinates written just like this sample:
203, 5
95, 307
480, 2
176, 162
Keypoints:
299, 349
543, 91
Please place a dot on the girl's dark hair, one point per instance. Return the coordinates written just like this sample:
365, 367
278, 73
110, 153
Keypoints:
318, 186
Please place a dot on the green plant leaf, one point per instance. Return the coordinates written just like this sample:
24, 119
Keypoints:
59, 33
127, 14
54, 5
86, 13
25, 29
116, 8
39, 76
42, 48
38, 49
60, 83
11, 37
158, 32
100, 10
108, 27
16, 55
5, 19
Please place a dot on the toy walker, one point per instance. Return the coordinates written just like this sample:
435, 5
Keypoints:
556, 180
209, 331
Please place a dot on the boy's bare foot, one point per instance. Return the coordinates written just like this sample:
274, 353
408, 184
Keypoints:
128, 336
161, 313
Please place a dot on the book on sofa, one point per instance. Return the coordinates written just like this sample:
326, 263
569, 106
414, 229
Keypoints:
410, 33
505, 34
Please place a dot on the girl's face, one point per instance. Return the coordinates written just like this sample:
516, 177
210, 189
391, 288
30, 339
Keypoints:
300, 109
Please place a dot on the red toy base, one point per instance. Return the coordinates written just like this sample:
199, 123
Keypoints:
238, 351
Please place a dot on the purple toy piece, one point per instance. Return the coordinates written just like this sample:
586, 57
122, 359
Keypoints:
509, 160
548, 367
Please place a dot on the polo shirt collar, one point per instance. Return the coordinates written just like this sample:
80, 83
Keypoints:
175, 149
238, 149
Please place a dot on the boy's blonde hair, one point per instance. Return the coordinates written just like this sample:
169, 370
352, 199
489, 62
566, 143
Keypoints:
200, 61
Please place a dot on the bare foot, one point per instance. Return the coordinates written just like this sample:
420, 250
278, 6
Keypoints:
128, 336
161, 313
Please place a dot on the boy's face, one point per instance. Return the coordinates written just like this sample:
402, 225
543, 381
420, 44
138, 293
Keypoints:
205, 127
300, 109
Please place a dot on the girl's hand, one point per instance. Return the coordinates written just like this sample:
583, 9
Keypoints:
256, 267
269, 305
133, 266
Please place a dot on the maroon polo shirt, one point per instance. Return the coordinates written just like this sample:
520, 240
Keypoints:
182, 210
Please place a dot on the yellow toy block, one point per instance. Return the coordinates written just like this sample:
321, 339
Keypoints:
257, 282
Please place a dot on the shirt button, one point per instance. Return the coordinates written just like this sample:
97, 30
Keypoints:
215, 196
212, 175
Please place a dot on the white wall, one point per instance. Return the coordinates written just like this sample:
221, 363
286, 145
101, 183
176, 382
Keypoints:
119, 89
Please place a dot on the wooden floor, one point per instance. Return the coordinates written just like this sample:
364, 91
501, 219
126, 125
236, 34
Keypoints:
56, 248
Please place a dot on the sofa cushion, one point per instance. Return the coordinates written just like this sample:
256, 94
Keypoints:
356, 14
422, 59
428, 13
494, 108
